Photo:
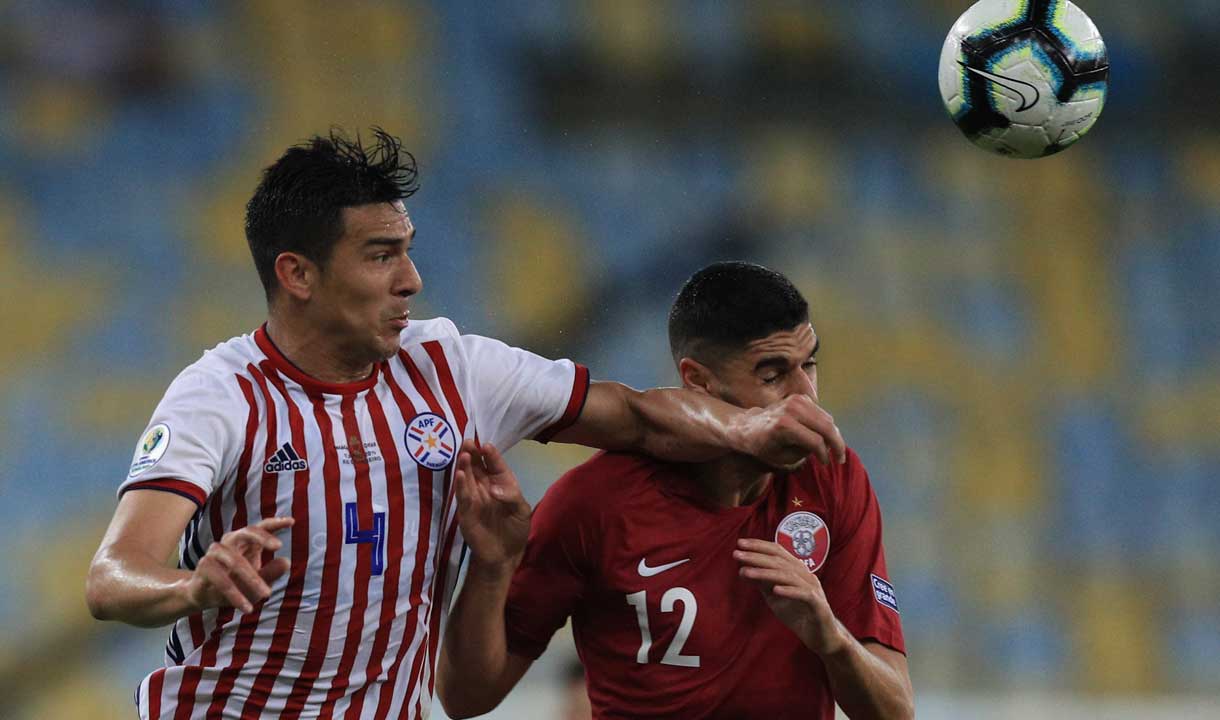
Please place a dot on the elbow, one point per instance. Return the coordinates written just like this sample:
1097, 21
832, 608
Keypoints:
460, 704
905, 709
95, 594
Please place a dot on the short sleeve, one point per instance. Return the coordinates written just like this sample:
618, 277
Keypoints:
192, 440
522, 395
855, 578
550, 582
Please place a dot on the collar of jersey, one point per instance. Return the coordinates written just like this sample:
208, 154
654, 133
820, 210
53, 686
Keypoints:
311, 384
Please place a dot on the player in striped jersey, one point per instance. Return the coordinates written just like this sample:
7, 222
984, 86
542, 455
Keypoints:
304, 471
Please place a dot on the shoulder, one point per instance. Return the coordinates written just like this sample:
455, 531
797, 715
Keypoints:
213, 376
419, 332
842, 481
599, 485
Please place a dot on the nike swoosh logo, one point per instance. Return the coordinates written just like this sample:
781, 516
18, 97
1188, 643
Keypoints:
646, 571
1020, 87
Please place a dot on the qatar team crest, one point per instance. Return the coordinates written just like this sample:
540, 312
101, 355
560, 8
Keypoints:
805, 535
430, 441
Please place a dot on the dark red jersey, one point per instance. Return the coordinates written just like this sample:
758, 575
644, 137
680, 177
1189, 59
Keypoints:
664, 624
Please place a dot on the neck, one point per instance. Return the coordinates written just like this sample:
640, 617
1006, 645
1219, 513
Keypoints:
313, 350
733, 481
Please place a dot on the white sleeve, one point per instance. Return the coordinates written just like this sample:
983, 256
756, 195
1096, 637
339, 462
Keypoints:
521, 395
193, 440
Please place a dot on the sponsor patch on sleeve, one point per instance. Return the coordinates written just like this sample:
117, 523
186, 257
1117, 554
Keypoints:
884, 592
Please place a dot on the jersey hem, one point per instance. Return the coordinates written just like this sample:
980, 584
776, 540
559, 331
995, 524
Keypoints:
190, 491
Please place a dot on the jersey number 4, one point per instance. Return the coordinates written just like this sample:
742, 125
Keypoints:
690, 608
375, 536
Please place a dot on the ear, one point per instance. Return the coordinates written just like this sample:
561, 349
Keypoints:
297, 275
696, 376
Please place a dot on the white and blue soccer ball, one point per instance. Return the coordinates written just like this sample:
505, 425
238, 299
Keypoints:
1024, 78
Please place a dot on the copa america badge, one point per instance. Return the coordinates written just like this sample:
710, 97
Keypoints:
430, 441
805, 535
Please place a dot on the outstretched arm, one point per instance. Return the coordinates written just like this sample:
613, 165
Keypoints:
869, 680
475, 670
132, 580
684, 425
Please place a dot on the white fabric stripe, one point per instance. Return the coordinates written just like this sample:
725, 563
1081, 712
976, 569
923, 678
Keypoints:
142, 708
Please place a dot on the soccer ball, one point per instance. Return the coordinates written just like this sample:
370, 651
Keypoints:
1024, 78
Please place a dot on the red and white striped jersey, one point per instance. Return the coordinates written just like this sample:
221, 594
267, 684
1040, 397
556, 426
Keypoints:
365, 469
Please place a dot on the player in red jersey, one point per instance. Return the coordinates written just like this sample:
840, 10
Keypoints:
714, 590
304, 471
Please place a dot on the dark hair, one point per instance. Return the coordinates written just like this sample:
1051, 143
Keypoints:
725, 305
298, 205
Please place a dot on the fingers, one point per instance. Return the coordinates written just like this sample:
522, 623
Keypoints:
243, 574
274, 524
274, 570
764, 547
773, 577
257, 535
813, 417
760, 560
463, 480
221, 574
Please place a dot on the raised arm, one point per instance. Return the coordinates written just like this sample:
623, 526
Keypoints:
475, 670
869, 680
684, 425
132, 578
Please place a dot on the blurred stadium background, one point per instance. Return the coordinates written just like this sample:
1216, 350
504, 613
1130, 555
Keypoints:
1025, 354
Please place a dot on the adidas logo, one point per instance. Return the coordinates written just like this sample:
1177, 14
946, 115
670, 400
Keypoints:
285, 459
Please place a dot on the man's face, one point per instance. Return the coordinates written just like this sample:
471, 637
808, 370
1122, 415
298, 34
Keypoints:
363, 289
769, 369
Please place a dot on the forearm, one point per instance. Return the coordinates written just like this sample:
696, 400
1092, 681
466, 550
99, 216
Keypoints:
683, 426
864, 685
475, 644
135, 588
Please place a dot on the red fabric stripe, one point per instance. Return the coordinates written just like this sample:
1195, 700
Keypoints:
319, 638
394, 550
155, 683
178, 487
439, 567
421, 385
448, 386
267, 505
438, 599
287, 616
576, 403
422, 545
364, 558
191, 676
195, 621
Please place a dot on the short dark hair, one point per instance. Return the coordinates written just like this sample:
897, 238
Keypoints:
726, 305
298, 205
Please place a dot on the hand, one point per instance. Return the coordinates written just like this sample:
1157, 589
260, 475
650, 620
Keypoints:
785, 433
232, 574
793, 593
493, 515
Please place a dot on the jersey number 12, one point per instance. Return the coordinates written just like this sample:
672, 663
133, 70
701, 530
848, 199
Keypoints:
690, 608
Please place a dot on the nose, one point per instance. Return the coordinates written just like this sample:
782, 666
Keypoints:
804, 383
409, 281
